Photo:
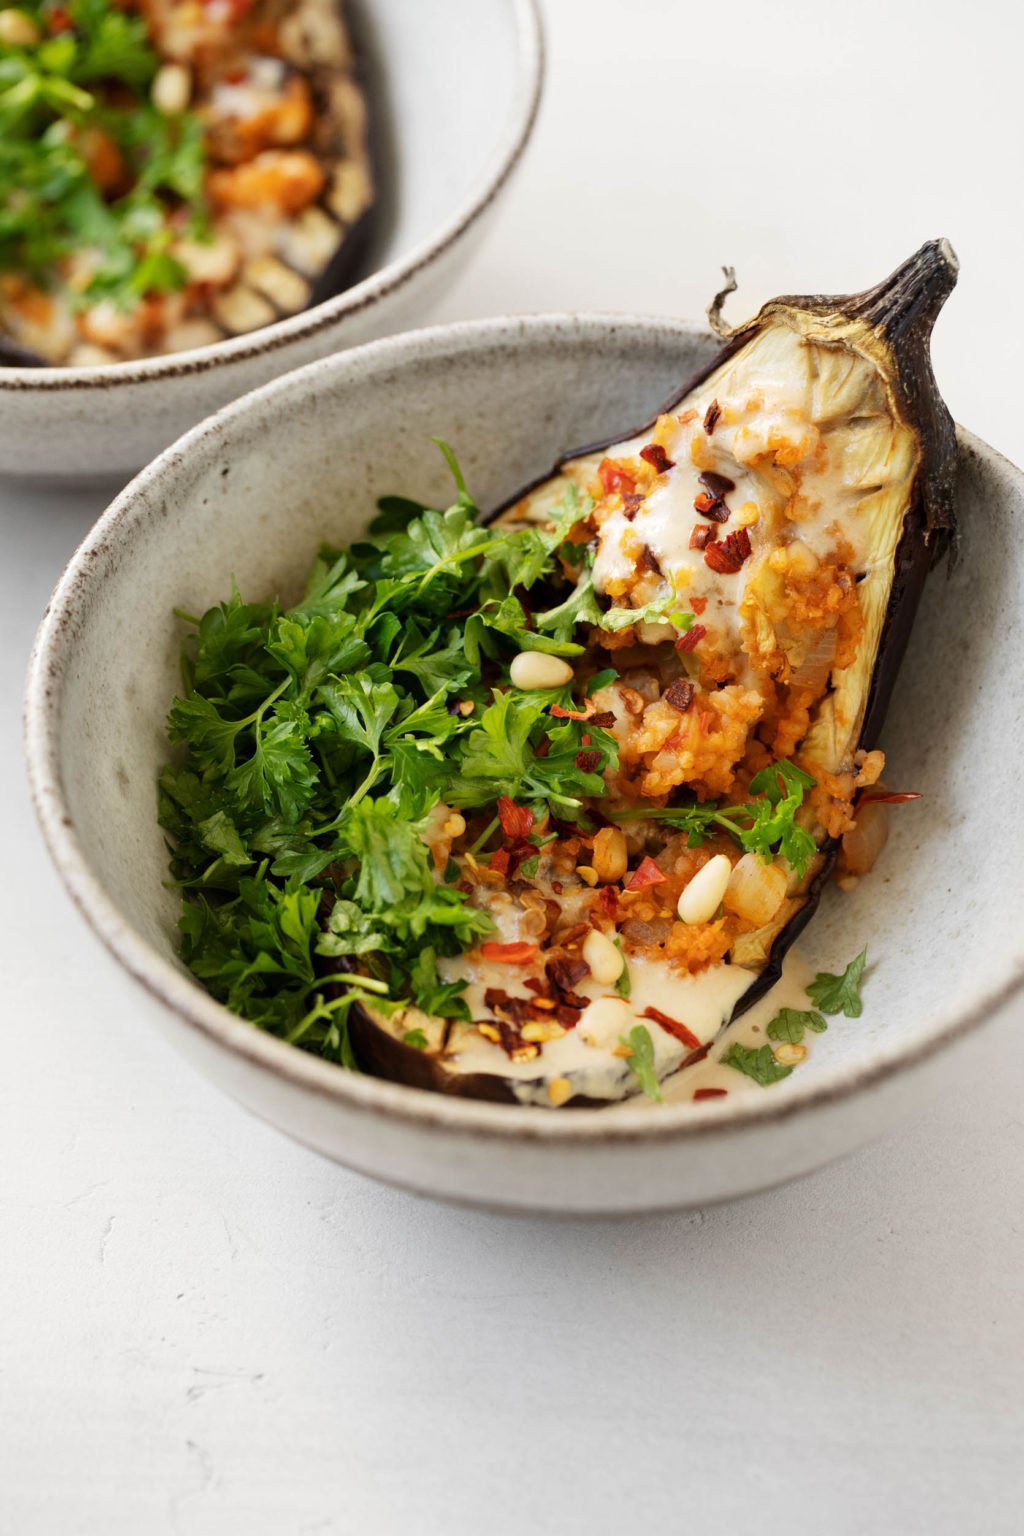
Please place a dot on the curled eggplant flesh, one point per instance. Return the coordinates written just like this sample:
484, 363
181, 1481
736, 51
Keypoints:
815, 459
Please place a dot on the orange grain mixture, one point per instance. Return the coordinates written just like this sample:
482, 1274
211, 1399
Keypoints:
699, 714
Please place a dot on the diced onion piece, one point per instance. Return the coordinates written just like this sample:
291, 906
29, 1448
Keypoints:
756, 890
866, 838
241, 309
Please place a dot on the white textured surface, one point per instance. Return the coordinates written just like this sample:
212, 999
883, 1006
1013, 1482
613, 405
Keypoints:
204, 1329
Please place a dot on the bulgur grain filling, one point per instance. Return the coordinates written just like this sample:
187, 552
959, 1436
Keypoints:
173, 172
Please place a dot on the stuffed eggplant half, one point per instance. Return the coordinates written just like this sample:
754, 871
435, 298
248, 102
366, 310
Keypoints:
173, 172
530, 810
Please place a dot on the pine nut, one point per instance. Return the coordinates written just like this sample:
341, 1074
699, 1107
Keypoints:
604, 958
171, 90
604, 1021
18, 30
559, 1090
790, 1054
702, 897
532, 670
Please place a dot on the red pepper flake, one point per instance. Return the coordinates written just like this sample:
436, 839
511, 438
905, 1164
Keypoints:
694, 1057
648, 561
686, 417
536, 985
512, 1040
647, 873
516, 820
543, 747
690, 641
683, 1035
608, 901
570, 714
728, 555
698, 604
500, 860
587, 762
711, 417
718, 485
655, 455
631, 504
711, 506
680, 695
710, 1093
703, 534
563, 974
519, 953
614, 478
603, 720
884, 797
568, 1017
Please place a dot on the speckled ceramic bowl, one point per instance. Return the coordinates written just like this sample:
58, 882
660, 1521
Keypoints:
454, 88
251, 492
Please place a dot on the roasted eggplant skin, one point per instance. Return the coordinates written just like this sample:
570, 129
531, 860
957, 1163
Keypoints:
891, 324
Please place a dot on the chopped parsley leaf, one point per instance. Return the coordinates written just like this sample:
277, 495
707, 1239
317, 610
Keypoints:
840, 994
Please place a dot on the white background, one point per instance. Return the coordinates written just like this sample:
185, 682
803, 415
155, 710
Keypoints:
204, 1329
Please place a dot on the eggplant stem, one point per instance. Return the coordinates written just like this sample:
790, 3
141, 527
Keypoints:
714, 310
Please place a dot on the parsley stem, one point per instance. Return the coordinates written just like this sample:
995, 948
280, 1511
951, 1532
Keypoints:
320, 1010
485, 834
189, 618
346, 979
461, 556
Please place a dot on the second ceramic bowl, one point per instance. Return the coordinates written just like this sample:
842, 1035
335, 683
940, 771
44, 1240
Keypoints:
454, 88
251, 493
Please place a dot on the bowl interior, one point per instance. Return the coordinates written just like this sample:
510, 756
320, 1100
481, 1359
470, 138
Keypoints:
443, 81
249, 496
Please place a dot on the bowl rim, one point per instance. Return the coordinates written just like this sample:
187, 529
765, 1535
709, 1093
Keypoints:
176, 991
364, 295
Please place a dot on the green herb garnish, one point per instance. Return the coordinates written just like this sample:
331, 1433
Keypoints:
766, 824
789, 1025
641, 1060
760, 1064
315, 742
624, 985
840, 994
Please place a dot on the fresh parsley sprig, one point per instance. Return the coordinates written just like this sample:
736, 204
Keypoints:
315, 742
640, 1060
766, 824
